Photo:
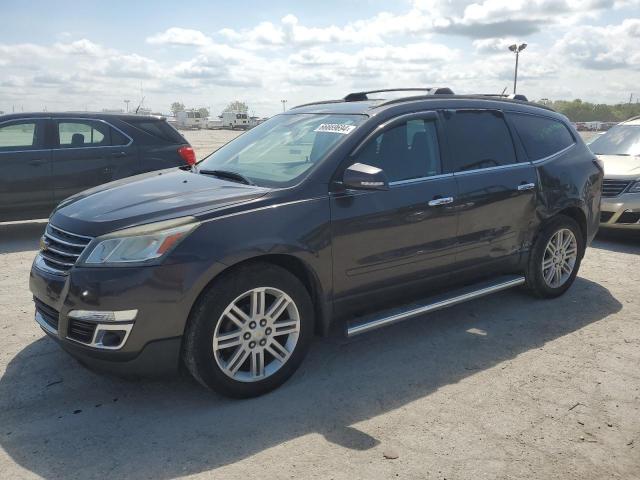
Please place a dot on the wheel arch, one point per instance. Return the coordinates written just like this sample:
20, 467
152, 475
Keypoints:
300, 269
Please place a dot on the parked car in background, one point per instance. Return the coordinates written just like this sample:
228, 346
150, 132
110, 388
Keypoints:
360, 211
619, 150
47, 157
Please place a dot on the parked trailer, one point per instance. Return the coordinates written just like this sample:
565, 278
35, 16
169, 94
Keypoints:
191, 119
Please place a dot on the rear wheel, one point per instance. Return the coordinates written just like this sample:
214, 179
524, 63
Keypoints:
249, 331
555, 258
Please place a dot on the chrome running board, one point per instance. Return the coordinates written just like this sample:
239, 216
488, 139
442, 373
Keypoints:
378, 320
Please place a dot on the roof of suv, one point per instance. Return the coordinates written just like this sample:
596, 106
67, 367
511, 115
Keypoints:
632, 121
360, 103
98, 115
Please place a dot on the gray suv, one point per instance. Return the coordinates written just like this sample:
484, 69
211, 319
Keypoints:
46, 157
357, 213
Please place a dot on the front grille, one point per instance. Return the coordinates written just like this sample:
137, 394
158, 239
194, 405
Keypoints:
49, 314
613, 188
605, 216
81, 331
629, 217
60, 249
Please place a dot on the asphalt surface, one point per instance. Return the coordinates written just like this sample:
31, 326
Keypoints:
502, 387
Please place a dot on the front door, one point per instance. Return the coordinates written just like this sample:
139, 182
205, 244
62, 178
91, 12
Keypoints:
386, 242
25, 170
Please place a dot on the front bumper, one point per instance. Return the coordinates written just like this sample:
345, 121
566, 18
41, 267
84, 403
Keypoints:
161, 294
621, 212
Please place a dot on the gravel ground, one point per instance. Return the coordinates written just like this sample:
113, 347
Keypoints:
503, 387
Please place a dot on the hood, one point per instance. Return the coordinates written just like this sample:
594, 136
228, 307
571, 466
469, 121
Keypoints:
147, 198
621, 166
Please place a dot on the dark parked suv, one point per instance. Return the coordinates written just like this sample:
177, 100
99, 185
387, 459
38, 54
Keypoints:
356, 212
46, 157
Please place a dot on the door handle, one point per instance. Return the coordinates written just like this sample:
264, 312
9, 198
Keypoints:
440, 201
119, 154
526, 186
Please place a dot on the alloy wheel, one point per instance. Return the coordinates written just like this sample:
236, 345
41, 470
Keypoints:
559, 258
256, 334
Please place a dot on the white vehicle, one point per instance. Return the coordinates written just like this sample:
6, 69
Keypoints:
234, 119
190, 119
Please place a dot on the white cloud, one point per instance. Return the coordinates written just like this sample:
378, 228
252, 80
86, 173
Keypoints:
180, 36
603, 48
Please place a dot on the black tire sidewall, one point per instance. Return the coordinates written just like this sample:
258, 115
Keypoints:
534, 277
205, 316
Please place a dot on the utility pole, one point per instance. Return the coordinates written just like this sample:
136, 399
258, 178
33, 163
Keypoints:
127, 103
284, 103
516, 49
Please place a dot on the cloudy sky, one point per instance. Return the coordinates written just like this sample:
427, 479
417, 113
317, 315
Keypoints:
93, 55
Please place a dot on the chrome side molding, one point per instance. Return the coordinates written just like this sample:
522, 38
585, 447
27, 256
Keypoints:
367, 324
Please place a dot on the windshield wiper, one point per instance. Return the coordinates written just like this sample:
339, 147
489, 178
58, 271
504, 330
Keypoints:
615, 154
228, 175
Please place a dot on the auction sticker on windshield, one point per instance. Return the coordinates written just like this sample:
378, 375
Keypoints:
335, 128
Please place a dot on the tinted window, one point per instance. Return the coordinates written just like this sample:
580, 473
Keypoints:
620, 140
407, 151
479, 139
118, 139
18, 136
80, 133
541, 136
158, 129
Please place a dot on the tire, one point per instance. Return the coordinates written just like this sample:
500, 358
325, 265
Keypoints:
231, 349
537, 276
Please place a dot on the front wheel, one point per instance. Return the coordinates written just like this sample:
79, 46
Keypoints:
555, 258
249, 331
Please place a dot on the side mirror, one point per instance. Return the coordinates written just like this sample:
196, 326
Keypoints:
360, 176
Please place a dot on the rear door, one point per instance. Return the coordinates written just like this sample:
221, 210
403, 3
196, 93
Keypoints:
497, 192
25, 170
90, 152
387, 241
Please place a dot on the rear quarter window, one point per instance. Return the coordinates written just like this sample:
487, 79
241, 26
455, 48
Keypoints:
159, 129
541, 136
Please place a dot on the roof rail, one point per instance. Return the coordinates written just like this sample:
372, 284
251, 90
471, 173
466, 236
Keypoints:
512, 96
361, 96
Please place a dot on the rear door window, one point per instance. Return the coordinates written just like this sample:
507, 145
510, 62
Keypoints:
159, 129
541, 136
83, 133
22, 135
478, 139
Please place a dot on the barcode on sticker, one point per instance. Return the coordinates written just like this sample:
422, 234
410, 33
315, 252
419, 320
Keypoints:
335, 128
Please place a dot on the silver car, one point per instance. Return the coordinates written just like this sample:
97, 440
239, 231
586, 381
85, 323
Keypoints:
619, 150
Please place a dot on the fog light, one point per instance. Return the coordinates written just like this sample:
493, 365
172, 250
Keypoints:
103, 316
112, 338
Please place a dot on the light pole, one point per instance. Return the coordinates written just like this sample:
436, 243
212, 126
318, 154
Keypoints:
516, 49
284, 103
127, 103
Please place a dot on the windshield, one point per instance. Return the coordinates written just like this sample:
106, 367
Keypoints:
279, 151
620, 140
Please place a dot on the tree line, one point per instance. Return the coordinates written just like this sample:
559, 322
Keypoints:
579, 111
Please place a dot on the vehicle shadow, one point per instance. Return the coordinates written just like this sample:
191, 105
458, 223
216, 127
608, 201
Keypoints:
20, 236
59, 420
620, 241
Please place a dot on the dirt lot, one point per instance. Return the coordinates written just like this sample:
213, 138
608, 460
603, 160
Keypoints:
503, 387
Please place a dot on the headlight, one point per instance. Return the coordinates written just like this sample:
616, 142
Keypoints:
140, 244
635, 187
